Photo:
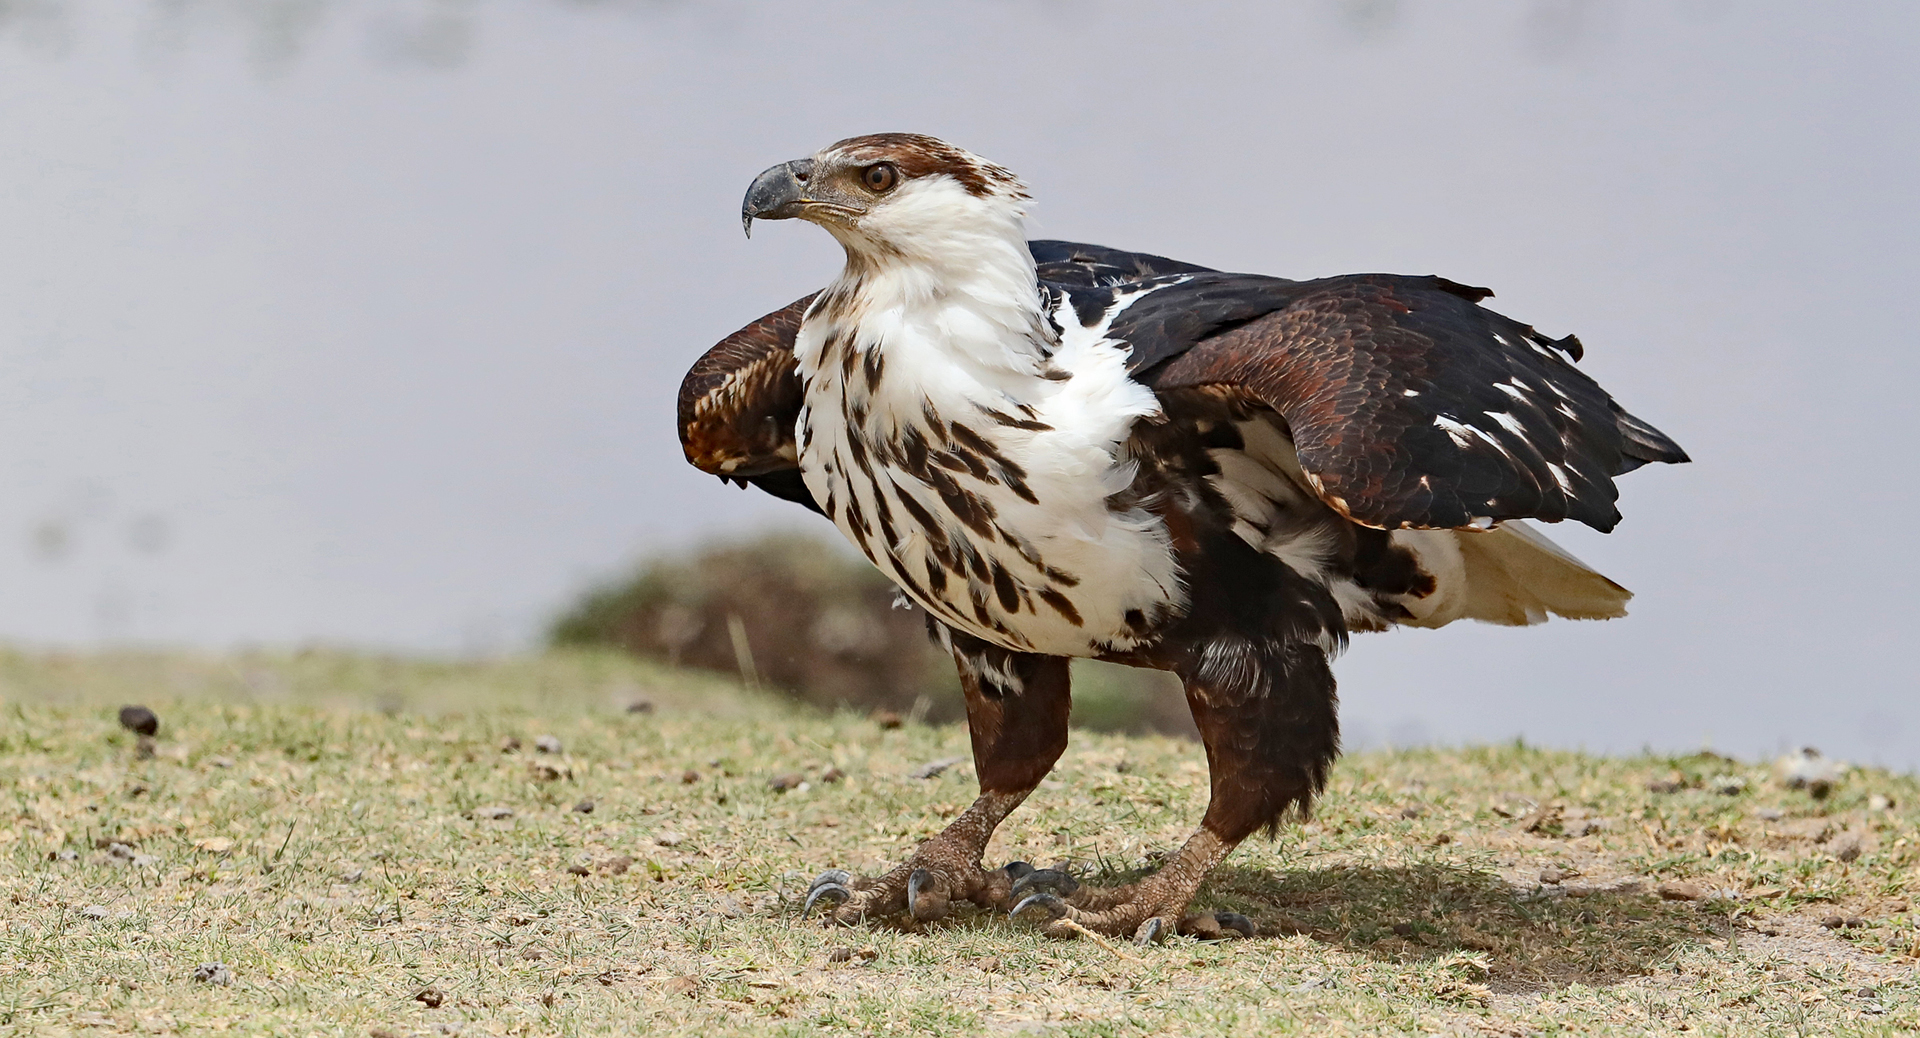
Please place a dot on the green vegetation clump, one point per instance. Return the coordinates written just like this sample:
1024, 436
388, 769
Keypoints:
800, 616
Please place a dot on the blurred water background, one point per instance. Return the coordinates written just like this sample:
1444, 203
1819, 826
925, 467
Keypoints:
359, 321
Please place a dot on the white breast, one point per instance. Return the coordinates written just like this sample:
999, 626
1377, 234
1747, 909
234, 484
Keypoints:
979, 478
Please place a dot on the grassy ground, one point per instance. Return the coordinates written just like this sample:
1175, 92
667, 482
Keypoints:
350, 839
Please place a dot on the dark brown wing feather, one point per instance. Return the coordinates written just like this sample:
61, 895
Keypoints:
1392, 390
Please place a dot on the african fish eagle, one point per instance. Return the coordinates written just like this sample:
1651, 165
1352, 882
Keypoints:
1061, 450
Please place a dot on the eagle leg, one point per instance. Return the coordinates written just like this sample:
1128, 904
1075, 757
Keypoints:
1017, 707
1253, 657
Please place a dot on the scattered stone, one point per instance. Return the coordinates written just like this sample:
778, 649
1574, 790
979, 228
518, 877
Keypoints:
1843, 922
353, 875
510, 744
832, 775
1810, 770
494, 813
430, 996
1769, 814
847, 953
213, 845
382, 1032
1554, 874
688, 986
987, 964
1442, 839
1542, 820
118, 851
689, 777
1879, 802
1727, 785
1403, 929
584, 807
213, 973
791, 780
1682, 890
618, 865
1673, 783
1412, 811
68, 854
547, 744
579, 870
1846, 846
640, 706
932, 769
138, 788
545, 771
888, 719
668, 838
139, 720
220, 762
95, 912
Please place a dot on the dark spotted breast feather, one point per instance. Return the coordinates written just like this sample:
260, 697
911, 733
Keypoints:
739, 404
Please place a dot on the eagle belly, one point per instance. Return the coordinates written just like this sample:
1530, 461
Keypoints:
983, 490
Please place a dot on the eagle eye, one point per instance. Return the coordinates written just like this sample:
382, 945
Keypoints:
880, 177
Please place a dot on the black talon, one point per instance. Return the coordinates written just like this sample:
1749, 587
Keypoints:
917, 880
1150, 932
1017, 870
1048, 903
1052, 880
832, 884
1236, 922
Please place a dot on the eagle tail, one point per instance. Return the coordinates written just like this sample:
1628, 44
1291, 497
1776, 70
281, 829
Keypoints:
1510, 575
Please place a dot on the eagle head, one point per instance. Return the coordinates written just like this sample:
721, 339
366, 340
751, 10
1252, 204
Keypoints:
892, 195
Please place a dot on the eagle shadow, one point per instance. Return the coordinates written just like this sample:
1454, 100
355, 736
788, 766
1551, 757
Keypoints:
1531, 940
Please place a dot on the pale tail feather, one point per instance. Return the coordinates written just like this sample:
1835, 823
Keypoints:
1511, 575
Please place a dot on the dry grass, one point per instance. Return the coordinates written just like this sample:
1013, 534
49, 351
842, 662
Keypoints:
321, 825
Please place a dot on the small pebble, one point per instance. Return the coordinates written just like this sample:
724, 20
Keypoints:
95, 912
213, 973
669, 838
494, 813
430, 996
1666, 785
1843, 922
353, 875
832, 775
509, 744
1412, 811
579, 870
689, 777
139, 720
1681, 890
547, 744
1727, 785
618, 865
65, 855
543, 771
887, 718
220, 762
1879, 802
791, 780
1769, 814
640, 706
584, 807
932, 769
1846, 846
1550, 874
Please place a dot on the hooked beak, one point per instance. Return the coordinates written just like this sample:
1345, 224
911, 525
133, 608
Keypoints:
778, 194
